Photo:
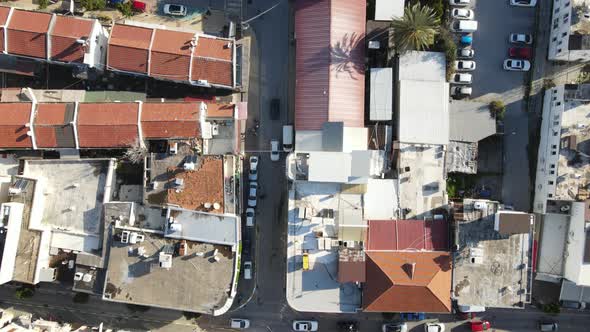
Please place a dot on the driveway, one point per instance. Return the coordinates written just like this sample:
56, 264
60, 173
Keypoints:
497, 19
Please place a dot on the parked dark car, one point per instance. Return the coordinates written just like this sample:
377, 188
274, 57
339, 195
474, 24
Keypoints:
275, 109
521, 52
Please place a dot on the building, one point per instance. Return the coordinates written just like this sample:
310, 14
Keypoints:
53, 38
570, 31
386, 10
408, 266
178, 56
494, 262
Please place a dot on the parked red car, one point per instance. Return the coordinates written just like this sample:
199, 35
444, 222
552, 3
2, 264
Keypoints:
521, 52
480, 325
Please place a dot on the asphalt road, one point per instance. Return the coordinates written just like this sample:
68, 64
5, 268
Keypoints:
497, 19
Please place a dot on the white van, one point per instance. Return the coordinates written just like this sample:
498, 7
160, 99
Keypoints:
288, 138
464, 26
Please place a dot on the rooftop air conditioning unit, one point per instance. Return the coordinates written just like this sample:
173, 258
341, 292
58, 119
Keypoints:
174, 148
178, 182
203, 82
374, 45
189, 166
214, 129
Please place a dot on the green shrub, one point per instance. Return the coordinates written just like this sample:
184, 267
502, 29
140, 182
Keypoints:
43, 4
126, 8
93, 4
551, 308
497, 109
24, 293
446, 44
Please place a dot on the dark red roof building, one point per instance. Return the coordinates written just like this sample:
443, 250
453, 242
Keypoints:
64, 35
27, 33
53, 125
129, 48
170, 120
391, 235
171, 55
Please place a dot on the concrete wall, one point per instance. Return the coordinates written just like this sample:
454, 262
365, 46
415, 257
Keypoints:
12, 237
560, 34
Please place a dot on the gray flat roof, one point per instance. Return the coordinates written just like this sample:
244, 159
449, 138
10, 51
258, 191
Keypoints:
422, 66
195, 282
470, 121
203, 227
487, 266
381, 101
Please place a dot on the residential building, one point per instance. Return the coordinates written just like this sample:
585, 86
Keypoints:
53, 38
179, 56
494, 258
570, 31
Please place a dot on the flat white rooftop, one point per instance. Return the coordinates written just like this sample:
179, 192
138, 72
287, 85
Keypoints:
202, 227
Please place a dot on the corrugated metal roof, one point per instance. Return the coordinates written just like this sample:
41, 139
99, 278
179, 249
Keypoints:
408, 235
470, 121
170, 120
66, 31
104, 125
381, 102
53, 125
27, 33
13, 132
330, 63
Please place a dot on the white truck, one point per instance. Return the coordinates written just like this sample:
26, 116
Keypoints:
288, 138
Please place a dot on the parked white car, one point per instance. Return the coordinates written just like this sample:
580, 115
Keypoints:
459, 2
517, 65
461, 79
250, 213
175, 10
523, 3
521, 38
239, 323
253, 175
434, 327
461, 91
466, 53
252, 198
253, 162
274, 150
464, 65
305, 325
462, 14
247, 270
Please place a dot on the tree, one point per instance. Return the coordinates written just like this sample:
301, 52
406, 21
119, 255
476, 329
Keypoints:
136, 152
497, 109
126, 8
24, 293
43, 4
416, 29
93, 4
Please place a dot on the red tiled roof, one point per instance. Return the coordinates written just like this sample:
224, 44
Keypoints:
128, 48
171, 52
214, 48
13, 132
4, 11
170, 120
408, 235
52, 125
393, 285
66, 31
213, 71
330, 63
27, 33
107, 125
215, 110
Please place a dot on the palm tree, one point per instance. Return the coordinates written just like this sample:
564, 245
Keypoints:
416, 29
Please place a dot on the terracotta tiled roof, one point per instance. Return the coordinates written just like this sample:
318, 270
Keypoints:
213, 71
215, 110
393, 285
27, 33
329, 63
66, 31
170, 120
128, 48
214, 48
171, 53
53, 125
4, 11
13, 132
107, 125
408, 235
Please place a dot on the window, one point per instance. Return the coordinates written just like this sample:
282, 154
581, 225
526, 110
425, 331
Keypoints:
554, 98
554, 39
563, 34
559, 50
560, 42
549, 195
554, 146
553, 153
554, 133
550, 182
552, 165
558, 103
552, 172
566, 4
556, 123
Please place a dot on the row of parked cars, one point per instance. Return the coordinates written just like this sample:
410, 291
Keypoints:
464, 24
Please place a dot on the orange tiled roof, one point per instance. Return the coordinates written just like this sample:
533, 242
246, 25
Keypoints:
53, 125
27, 33
66, 31
170, 120
393, 286
107, 125
13, 130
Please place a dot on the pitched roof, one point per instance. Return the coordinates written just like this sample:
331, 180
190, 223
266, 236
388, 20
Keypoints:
212, 71
104, 125
330, 63
394, 285
27, 33
53, 125
65, 32
215, 110
128, 48
408, 235
4, 11
13, 130
171, 55
170, 120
